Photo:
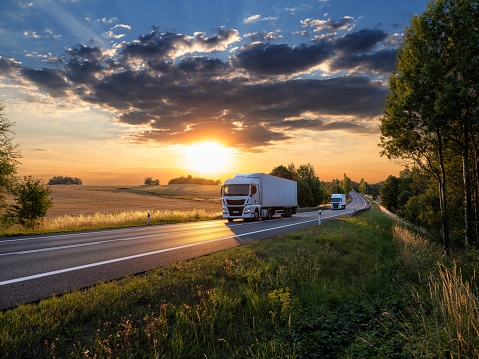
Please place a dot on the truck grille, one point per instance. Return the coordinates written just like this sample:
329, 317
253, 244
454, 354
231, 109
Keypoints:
235, 211
235, 202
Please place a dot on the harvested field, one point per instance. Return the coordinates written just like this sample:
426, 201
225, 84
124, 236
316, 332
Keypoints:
76, 200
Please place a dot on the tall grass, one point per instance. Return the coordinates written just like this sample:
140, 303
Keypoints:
444, 320
102, 220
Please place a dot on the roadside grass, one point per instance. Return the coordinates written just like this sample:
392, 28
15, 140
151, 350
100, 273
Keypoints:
362, 287
304, 294
101, 220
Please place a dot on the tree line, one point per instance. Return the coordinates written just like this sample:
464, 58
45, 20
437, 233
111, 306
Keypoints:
65, 180
311, 190
431, 123
194, 180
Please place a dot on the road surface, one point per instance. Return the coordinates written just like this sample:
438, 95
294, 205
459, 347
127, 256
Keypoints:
37, 267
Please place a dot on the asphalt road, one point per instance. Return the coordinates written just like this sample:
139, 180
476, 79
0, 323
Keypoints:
37, 267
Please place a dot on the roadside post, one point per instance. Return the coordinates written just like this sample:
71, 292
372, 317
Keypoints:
148, 217
319, 217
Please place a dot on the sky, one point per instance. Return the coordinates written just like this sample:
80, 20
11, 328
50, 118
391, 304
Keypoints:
113, 91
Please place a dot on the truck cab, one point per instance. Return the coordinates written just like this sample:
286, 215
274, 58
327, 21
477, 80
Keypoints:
241, 198
338, 201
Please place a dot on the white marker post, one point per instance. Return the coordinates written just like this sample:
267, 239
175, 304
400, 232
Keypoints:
319, 218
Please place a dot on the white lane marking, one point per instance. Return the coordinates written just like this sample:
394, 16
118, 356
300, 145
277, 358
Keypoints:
71, 269
82, 244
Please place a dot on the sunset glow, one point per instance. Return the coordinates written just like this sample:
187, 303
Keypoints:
208, 158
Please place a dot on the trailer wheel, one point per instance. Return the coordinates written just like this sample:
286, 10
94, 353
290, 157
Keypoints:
270, 213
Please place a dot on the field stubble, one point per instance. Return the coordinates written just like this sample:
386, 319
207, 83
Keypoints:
88, 200
88, 207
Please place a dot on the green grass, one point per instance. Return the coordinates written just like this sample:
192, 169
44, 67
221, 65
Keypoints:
347, 289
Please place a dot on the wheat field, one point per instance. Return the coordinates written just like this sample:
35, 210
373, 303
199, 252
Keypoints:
88, 200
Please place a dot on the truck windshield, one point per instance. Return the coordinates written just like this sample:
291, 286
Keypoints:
236, 190
335, 199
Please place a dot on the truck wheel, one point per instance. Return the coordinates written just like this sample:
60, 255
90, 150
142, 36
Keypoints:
256, 215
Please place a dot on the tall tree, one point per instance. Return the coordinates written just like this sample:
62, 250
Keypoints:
412, 129
434, 100
457, 23
362, 186
9, 157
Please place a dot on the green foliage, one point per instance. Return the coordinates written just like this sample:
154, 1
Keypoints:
310, 190
32, 203
431, 115
64, 180
9, 157
362, 188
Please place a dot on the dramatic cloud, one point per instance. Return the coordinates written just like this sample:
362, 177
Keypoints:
281, 59
171, 88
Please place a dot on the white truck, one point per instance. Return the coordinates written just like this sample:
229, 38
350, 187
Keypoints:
338, 201
258, 195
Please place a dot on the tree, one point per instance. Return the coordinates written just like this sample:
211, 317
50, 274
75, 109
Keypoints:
389, 193
362, 186
9, 157
412, 129
33, 201
283, 172
434, 100
310, 190
149, 181
347, 184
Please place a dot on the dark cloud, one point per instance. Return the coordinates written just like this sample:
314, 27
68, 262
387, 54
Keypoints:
281, 59
8, 66
166, 85
52, 81
381, 62
160, 46
360, 41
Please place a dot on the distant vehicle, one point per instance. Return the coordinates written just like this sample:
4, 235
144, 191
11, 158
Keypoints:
338, 201
258, 195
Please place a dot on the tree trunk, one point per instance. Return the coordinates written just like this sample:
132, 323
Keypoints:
442, 197
467, 188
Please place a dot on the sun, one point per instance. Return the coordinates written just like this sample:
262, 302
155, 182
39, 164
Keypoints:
208, 157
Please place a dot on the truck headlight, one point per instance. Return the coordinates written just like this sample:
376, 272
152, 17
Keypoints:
225, 210
247, 210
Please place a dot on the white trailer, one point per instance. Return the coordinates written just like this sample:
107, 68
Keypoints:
338, 201
258, 195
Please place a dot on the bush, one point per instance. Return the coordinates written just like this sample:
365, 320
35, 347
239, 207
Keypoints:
32, 203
